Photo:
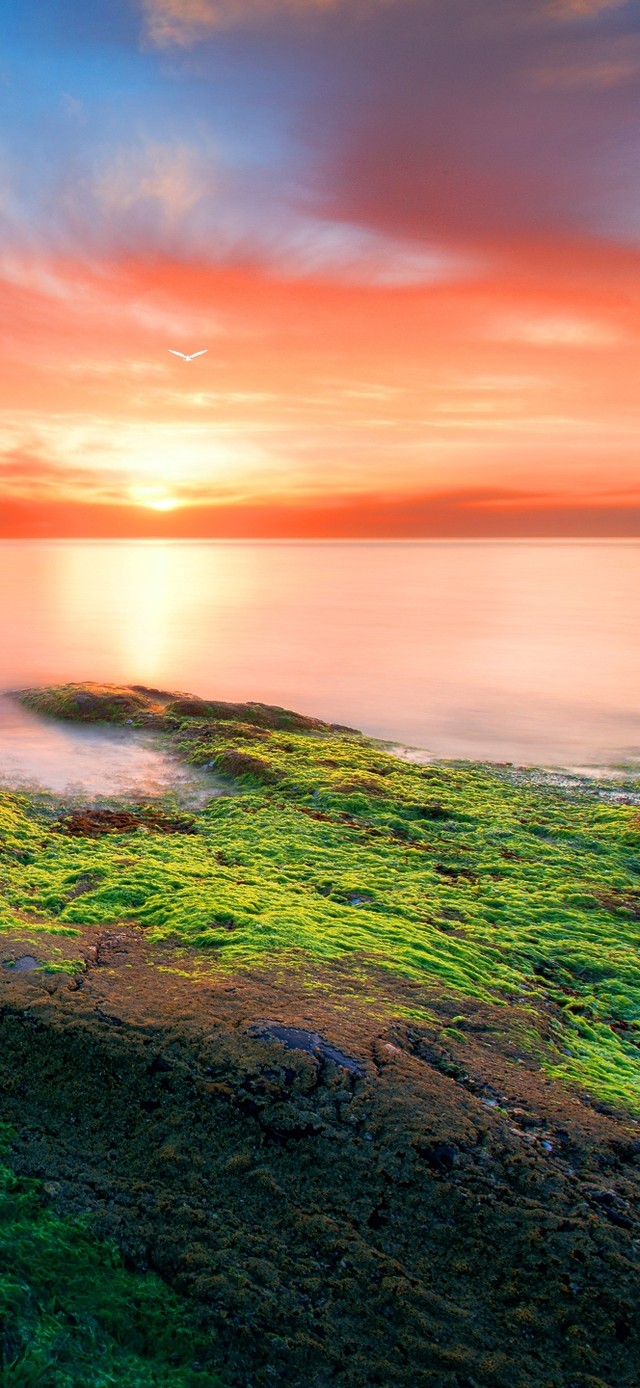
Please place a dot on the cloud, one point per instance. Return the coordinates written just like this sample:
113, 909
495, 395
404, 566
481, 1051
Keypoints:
476, 124
169, 177
582, 9
454, 512
28, 473
347, 253
74, 455
549, 330
591, 76
102, 303
591, 63
185, 22
437, 125
73, 108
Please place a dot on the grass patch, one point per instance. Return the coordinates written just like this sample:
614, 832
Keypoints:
72, 1316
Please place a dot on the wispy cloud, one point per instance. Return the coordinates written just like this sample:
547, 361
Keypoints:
26, 472
582, 9
97, 457
593, 65
343, 251
550, 330
104, 303
184, 22
73, 108
591, 76
170, 177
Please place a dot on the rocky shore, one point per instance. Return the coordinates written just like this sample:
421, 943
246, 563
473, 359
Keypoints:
340, 1071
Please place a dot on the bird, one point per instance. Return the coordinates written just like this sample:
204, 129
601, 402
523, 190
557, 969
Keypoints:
184, 354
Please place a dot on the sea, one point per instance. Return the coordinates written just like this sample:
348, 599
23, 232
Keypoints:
525, 652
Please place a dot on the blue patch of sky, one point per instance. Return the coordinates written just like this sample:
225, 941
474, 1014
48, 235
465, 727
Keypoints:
68, 25
70, 113
80, 87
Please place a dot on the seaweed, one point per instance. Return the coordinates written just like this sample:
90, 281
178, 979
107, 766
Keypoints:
453, 876
71, 1314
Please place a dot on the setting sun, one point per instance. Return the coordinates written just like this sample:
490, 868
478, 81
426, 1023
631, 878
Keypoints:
154, 499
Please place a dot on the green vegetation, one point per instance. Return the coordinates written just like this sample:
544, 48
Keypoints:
457, 877
71, 1316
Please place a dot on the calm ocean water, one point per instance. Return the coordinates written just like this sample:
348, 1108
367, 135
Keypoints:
524, 652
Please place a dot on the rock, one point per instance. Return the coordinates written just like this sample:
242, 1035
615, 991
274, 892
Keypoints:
440, 1156
298, 1039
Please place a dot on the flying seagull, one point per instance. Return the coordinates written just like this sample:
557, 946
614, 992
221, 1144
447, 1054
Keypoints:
184, 355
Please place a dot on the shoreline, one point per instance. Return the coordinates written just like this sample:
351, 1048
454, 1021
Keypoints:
581, 779
614, 781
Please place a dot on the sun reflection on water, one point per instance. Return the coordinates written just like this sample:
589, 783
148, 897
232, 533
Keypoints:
498, 651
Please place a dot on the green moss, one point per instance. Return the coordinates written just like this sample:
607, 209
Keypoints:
71, 1315
87, 703
454, 876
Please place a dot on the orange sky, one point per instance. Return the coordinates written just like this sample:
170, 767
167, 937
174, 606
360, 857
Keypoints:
420, 328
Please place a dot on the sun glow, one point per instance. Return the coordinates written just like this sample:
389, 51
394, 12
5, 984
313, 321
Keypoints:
154, 499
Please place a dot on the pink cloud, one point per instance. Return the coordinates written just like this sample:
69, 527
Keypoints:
582, 9
184, 22
590, 76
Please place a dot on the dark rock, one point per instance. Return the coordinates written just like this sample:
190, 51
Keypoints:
622, 1220
298, 1039
90, 824
440, 1156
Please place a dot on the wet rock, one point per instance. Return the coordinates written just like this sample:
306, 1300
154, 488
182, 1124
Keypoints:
24, 964
90, 824
298, 1039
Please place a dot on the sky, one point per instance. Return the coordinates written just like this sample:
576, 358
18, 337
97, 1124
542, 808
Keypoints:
407, 232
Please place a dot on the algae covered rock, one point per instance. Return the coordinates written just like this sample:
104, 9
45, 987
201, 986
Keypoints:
256, 714
237, 764
86, 703
349, 1059
108, 703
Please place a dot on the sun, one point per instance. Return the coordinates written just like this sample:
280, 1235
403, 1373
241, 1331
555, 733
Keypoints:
154, 498
163, 503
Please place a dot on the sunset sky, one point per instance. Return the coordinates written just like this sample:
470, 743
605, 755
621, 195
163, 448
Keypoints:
407, 231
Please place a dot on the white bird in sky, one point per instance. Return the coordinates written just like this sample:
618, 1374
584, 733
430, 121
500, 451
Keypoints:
184, 354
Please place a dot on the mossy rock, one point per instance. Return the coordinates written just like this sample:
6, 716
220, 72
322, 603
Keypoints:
238, 765
87, 703
255, 714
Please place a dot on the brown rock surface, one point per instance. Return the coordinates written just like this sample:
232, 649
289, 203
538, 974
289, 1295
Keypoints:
348, 1200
